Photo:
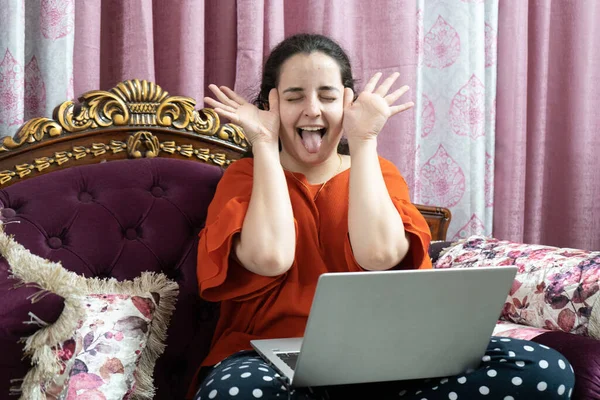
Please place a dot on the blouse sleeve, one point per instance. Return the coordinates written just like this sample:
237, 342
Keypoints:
220, 277
414, 222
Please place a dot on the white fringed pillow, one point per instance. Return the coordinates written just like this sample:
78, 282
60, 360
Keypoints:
108, 337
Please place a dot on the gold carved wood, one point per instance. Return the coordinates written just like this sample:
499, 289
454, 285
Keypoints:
131, 103
135, 119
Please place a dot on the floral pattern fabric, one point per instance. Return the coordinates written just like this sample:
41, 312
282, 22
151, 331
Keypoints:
100, 360
555, 288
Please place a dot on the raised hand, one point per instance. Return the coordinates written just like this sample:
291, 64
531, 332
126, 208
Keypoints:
258, 125
365, 117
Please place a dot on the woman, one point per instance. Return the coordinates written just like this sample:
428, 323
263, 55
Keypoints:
298, 208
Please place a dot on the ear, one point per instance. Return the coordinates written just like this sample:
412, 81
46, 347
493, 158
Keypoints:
274, 101
348, 97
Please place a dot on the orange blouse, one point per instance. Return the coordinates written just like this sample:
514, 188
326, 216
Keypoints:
260, 307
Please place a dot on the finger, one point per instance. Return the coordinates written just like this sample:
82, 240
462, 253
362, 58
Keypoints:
387, 84
223, 98
395, 95
233, 117
217, 104
233, 95
348, 97
370, 86
402, 107
274, 101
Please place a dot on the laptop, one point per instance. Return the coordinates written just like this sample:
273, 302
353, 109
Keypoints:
393, 325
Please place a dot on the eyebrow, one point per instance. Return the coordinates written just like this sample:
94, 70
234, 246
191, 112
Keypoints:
321, 89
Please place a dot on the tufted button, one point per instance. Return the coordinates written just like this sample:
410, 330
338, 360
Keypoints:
54, 242
131, 234
8, 213
157, 191
85, 197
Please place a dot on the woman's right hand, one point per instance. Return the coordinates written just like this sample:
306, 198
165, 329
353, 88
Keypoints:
258, 125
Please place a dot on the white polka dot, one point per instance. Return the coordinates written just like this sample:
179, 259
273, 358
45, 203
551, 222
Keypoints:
486, 358
497, 349
283, 388
435, 388
511, 354
209, 382
452, 396
219, 363
267, 378
570, 392
424, 398
544, 347
212, 394
246, 362
520, 363
226, 369
402, 393
234, 391
484, 390
561, 389
505, 340
418, 392
462, 380
469, 371
528, 348
562, 364
492, 373
263, 369
544, 364
245, 374
509, 398
257, 393
572, 370
542, 386
445, 380
493, 340
225, 377
516, 381
502, 360
244, 366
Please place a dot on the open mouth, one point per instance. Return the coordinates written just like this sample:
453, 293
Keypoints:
312, 137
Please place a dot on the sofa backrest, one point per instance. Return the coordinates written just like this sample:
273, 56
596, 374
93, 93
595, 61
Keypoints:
117, 220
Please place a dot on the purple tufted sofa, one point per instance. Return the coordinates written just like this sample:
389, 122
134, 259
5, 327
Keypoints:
114, 219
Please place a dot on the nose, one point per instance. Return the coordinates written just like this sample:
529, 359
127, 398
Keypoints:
313, 107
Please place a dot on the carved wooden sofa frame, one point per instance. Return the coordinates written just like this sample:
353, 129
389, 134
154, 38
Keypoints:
135, 119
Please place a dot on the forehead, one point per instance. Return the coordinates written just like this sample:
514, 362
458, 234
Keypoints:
305, 69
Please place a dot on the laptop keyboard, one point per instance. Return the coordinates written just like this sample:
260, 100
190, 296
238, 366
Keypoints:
289, 358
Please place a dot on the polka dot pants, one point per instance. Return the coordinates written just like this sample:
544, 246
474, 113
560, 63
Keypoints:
511, 369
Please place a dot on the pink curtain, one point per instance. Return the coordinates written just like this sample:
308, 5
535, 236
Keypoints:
184, 45
547, 176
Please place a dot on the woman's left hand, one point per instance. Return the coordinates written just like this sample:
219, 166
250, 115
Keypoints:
365, 117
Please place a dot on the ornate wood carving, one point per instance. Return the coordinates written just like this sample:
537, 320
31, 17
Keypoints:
132, 103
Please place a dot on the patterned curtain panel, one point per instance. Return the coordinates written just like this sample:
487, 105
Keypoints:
456, 91
36, 59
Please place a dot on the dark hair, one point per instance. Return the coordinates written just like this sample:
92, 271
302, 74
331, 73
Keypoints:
303, 43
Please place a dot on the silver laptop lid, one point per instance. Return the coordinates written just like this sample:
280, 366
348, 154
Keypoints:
396, 325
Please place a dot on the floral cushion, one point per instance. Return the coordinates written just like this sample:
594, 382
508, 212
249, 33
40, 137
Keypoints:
102, 356
555, 288
107, 339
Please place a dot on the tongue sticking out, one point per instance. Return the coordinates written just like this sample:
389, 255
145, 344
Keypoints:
312, 140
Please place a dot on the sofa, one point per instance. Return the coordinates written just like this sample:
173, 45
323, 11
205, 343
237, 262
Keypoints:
115, 187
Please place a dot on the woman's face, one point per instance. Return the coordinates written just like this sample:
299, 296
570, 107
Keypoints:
311, 107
